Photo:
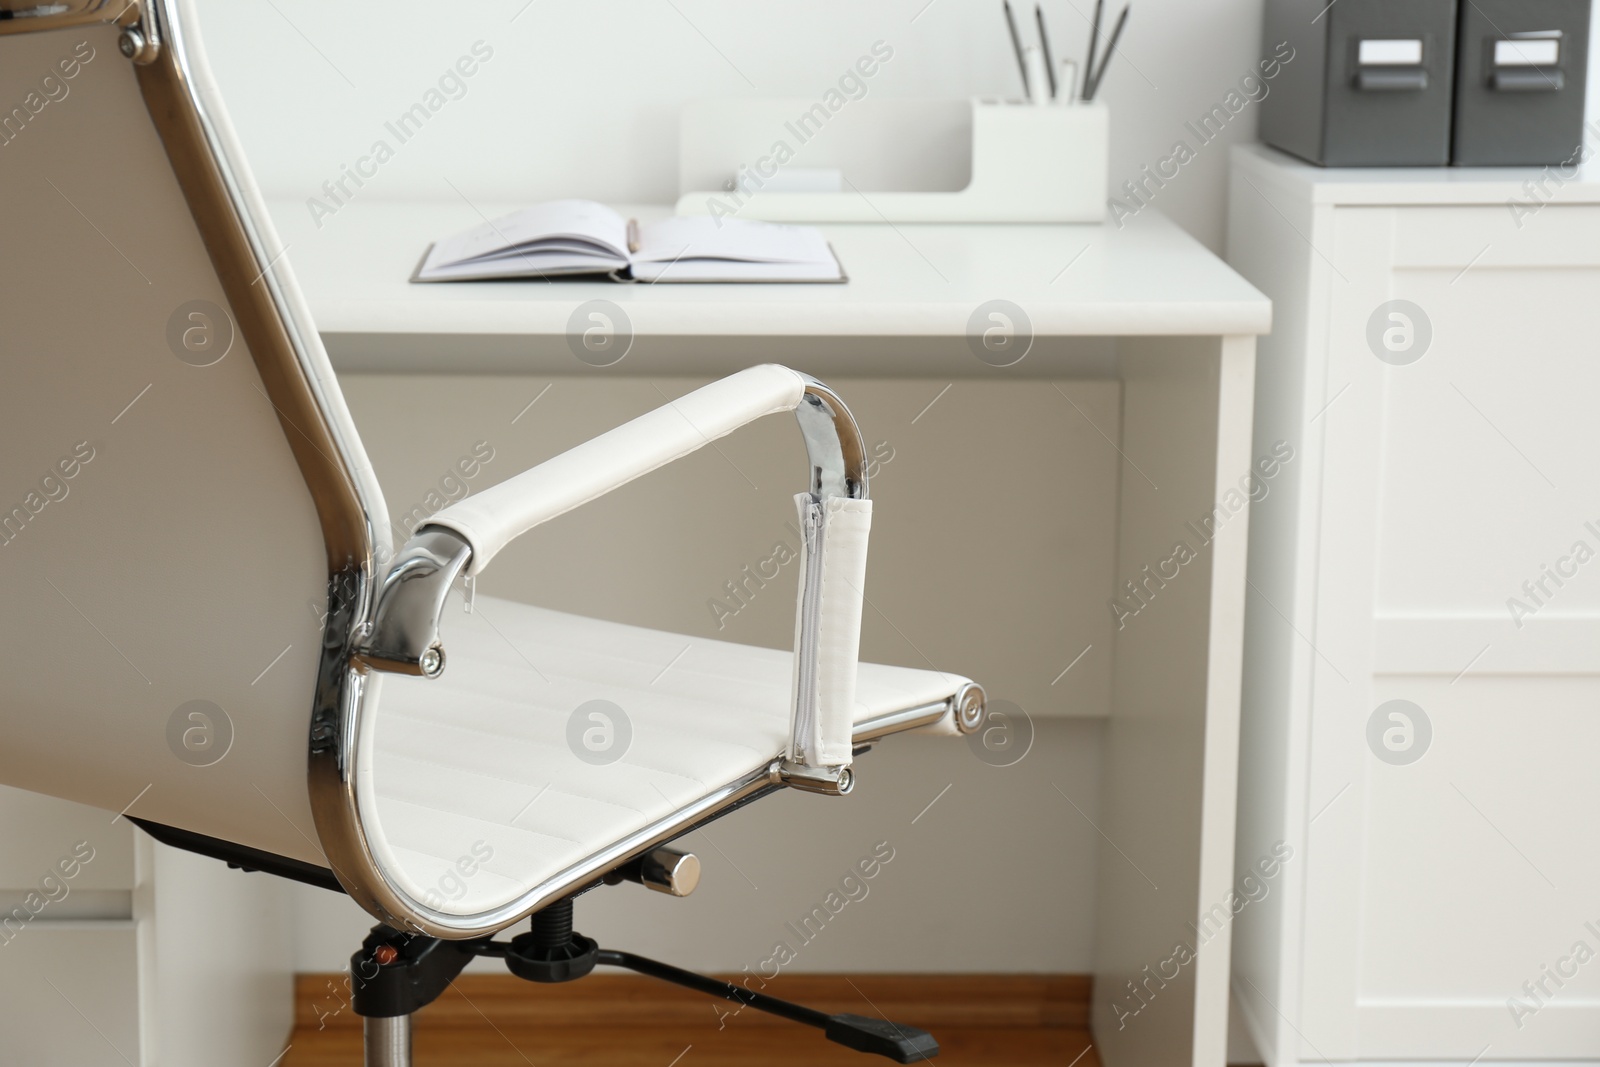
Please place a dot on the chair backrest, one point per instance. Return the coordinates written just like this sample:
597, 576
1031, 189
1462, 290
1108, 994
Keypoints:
179, 477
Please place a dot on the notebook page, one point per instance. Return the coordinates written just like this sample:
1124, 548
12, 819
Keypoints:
536, 263
563, 222
699, 237
734, 271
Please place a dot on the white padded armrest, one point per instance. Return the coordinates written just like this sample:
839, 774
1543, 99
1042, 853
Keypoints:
833, 557
489, 520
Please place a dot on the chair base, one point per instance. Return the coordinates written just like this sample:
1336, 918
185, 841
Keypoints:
397, 974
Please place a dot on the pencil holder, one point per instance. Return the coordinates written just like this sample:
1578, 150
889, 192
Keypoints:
979, 160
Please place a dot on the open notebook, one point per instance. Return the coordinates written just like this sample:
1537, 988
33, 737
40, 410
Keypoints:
583, 237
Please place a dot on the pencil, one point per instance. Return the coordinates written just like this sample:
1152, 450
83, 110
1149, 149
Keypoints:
1044, 43
1016, 45
1094, 46
1111, 46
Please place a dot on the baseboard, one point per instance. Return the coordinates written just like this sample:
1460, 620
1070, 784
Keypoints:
1001, 1001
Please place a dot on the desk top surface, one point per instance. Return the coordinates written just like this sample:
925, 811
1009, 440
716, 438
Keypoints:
1148, 278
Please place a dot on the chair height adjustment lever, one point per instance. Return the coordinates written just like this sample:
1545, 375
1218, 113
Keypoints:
665, 870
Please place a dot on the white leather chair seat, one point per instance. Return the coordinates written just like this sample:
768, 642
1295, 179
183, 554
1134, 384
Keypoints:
478, 791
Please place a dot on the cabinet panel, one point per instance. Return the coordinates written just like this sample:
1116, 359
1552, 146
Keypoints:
1342, 638
68, 990
1484, 483
1498, 236
1474, 879
1438, 887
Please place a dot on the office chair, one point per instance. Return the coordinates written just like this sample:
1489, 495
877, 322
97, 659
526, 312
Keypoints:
181, 478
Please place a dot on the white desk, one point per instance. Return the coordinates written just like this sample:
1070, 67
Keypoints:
906, 282
1166, 329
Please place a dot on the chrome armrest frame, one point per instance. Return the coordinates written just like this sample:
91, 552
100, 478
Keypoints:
833, 443
404, 636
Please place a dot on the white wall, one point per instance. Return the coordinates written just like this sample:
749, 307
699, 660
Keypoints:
582, 99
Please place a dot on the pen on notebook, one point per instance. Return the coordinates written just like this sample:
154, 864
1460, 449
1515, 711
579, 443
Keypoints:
1094, 46
1016, 46
633, 235
1044, 43
1111, 47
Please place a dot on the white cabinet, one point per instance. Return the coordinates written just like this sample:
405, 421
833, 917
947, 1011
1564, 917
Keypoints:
67, 987
118, 952
1436, 541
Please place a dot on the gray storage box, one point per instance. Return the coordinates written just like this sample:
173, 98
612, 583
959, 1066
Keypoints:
1369, 83
1521, 72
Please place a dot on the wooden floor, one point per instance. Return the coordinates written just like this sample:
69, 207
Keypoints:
627, 1021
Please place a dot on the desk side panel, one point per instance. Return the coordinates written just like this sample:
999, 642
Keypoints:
1167, 830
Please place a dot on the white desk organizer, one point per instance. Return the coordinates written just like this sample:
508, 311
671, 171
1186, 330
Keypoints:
901, 160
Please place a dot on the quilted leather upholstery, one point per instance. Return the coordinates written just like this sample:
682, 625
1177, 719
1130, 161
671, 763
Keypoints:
477, 772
